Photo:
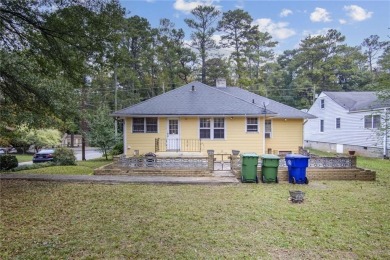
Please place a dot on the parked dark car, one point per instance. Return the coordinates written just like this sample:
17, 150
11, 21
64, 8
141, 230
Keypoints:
43, 156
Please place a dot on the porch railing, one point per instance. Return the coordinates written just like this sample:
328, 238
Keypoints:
177, 145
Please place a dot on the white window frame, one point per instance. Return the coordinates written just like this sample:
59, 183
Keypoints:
372, 121
322, 103
379, 121
265, 128
339, 123
178, 126
144, 126
247, 124
322, 125
212, 128
209, 127
218, 127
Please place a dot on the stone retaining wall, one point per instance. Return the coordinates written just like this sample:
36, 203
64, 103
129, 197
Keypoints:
113, 169
312, 174
321, 168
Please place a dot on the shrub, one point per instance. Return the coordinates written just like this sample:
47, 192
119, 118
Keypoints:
64, 156
117, 149
32, 166
8, 162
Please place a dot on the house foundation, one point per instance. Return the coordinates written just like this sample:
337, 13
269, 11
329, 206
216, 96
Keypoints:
375, 152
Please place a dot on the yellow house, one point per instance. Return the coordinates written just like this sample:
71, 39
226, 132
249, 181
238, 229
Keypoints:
197, 117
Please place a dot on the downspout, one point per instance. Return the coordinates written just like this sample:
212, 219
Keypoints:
265, 116
303, 132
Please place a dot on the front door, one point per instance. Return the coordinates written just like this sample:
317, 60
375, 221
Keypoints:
173, 137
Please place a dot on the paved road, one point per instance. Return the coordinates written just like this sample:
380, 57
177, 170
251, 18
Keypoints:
90, 153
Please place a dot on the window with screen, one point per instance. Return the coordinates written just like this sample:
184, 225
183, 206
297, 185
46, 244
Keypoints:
205, 128
145, 125
252, 124
212, 128
219, 128
268, 128
338, 123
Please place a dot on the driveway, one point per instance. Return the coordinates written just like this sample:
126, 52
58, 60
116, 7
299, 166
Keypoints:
90, 153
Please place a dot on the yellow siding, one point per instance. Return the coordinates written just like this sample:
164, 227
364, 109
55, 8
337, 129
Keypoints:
144, 142
286, 136
236, 137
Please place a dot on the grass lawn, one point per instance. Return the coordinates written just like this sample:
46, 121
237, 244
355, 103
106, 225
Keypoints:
24, 157
82, 168
338, 220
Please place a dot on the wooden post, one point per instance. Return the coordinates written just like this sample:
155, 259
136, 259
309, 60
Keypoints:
157, 145
353, 161
210, 160
235, 167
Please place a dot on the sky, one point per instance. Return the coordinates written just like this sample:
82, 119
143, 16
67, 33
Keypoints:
287, 21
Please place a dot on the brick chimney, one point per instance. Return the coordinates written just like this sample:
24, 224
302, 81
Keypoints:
220, 83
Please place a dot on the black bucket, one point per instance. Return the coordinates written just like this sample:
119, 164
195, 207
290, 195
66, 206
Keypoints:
297, 196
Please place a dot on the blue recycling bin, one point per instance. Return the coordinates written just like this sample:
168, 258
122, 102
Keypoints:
297, 165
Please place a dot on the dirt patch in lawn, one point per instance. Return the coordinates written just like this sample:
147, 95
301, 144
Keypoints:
309, 254
319, 185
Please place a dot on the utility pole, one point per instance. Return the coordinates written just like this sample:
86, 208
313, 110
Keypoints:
116, 97
314, 94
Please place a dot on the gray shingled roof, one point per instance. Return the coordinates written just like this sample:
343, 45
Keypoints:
357, 101
206, 100
280, 109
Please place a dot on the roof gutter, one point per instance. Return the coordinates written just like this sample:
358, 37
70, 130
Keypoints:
368, 110
199, 115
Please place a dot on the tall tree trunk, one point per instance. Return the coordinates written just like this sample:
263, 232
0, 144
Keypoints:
72, 140
203, 54
83, 122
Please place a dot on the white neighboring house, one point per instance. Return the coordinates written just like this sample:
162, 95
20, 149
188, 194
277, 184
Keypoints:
349, 121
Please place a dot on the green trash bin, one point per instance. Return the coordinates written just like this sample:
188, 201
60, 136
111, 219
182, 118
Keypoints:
249, 163
269, 168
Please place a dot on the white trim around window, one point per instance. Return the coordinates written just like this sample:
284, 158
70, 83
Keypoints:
268, 128
212, 128
322, 103
147, 125
372, 121
252, 125
338, 123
